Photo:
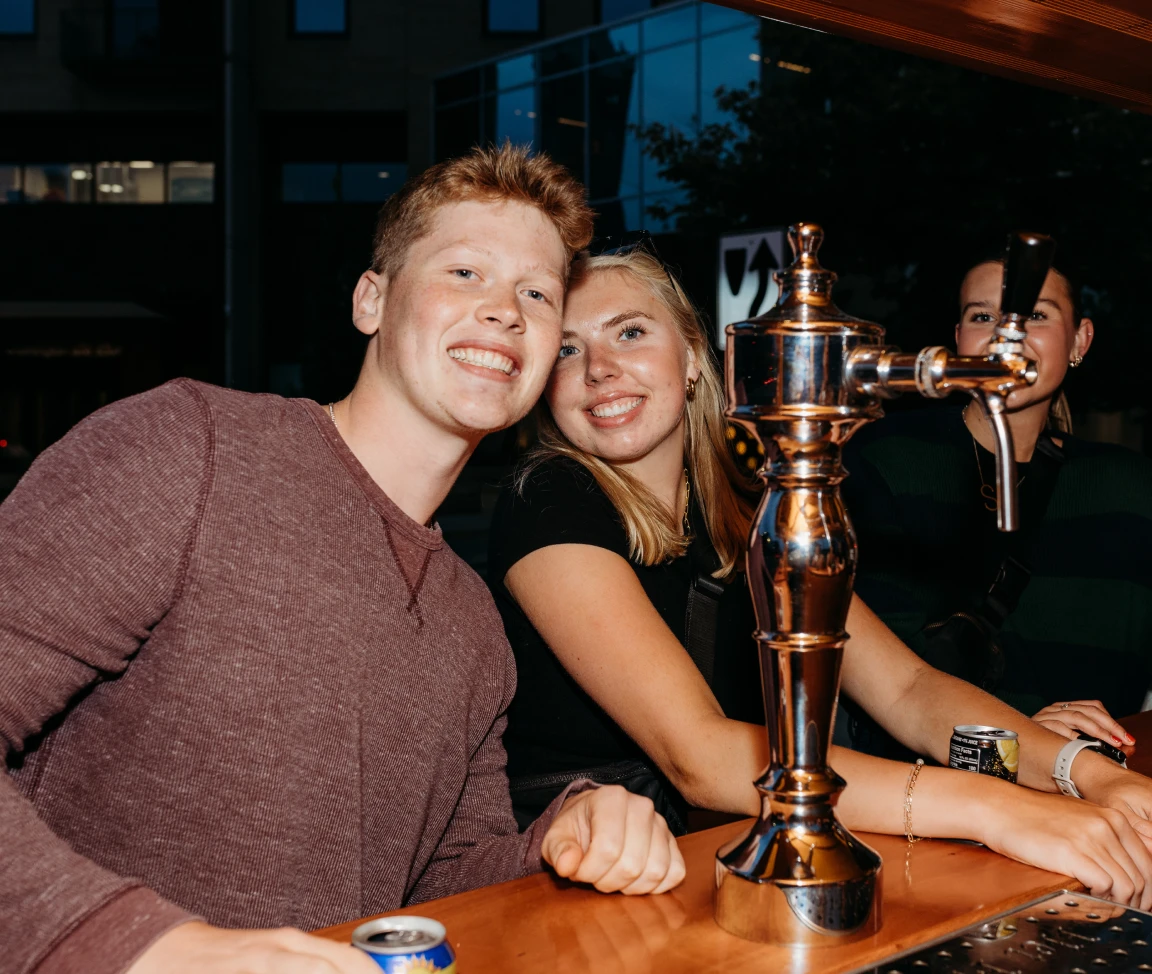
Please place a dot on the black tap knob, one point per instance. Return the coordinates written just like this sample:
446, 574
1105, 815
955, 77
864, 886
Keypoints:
1026, 265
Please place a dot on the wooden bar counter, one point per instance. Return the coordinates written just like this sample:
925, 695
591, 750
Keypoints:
540, 924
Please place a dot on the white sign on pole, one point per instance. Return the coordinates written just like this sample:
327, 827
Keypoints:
746, 287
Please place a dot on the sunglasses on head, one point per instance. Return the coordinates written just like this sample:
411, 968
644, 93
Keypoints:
628, 243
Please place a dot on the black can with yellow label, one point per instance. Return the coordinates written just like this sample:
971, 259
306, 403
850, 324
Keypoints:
985, 750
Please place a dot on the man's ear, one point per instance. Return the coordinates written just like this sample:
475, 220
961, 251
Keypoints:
368, 302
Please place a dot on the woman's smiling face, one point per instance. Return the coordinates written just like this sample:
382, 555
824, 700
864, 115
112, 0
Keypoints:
1054, 335
617, 390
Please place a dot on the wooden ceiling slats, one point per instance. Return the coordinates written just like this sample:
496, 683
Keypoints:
1086, 47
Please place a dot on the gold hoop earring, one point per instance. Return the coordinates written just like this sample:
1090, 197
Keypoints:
1076, 360
690, 390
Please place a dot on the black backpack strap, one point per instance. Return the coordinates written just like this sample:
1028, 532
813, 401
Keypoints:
1014, 573
700, 622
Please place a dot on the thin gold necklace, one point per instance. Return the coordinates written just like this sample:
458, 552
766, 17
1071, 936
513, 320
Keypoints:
987, 492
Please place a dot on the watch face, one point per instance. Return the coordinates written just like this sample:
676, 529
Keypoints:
1108, 750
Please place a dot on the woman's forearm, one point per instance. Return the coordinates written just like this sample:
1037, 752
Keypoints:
927, 704
945, 803
718, 768
936, 702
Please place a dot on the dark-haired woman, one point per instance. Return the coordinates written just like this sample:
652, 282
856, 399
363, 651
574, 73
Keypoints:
1062, 610
632, 512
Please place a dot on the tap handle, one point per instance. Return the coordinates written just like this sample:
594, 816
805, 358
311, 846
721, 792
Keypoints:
1026, 264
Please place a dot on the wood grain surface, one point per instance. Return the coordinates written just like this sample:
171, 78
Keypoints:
1101, 50
540, 924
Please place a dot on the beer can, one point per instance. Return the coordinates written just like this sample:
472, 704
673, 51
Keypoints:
406, 945
985, 750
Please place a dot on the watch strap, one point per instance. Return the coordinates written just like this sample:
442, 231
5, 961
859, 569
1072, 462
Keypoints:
1062, 770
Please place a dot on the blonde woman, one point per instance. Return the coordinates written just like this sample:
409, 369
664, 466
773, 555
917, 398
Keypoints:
629, 506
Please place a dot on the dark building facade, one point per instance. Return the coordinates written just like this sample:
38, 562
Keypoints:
190, 189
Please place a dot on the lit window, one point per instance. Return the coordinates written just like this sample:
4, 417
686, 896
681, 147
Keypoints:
191, 182
319, 16
309, 182
58, 182
138, 181
513, 16
370, 182
17, 18
10, 183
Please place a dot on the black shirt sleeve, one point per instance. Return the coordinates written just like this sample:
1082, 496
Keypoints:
556, 502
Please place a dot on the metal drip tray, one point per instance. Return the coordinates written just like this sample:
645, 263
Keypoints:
1067, 933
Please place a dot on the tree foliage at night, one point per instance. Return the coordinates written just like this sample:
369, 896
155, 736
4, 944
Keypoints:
916, 169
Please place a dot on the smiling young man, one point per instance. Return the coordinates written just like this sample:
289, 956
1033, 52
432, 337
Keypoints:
237, 664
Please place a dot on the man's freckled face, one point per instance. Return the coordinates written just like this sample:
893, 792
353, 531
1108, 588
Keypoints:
471, 322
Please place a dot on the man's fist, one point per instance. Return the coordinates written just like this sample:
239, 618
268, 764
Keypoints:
615, 841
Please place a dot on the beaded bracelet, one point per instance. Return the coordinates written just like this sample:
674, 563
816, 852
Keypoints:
912, 776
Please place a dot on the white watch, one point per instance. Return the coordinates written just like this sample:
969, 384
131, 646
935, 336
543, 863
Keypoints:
1062, 770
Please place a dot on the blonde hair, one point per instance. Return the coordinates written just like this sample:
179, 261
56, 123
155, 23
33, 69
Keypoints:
492, 174
723, 495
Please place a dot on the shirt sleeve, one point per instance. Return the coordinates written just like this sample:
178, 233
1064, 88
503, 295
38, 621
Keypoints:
555, 502
92, 548
481, 845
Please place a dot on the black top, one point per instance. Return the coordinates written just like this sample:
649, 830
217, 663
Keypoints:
553, 725
929, 547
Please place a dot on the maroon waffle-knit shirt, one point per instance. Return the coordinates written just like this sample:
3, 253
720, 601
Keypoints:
236, 682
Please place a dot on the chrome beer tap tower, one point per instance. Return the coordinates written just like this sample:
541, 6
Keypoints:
803, 378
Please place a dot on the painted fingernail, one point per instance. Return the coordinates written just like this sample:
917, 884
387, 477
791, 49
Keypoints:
1131, 739
1116, 739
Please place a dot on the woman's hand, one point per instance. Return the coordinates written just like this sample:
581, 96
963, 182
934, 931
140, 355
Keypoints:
1095, 845
1071, 717
1104, 782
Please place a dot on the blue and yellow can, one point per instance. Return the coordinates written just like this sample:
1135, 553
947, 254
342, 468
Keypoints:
406, 945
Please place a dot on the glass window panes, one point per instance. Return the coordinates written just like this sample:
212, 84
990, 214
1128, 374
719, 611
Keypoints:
310, 182
614, 42
59, 182
632, 216
134, 26
516, 71
670, 28
513, 16
466, 84
138, 181
191, 182
18, 17
565, 56
611, 10
457, 129
714, 17
512, 116
731, 60
319, 16
670, 99
613, 112
11, 181
370, 182
563, 122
